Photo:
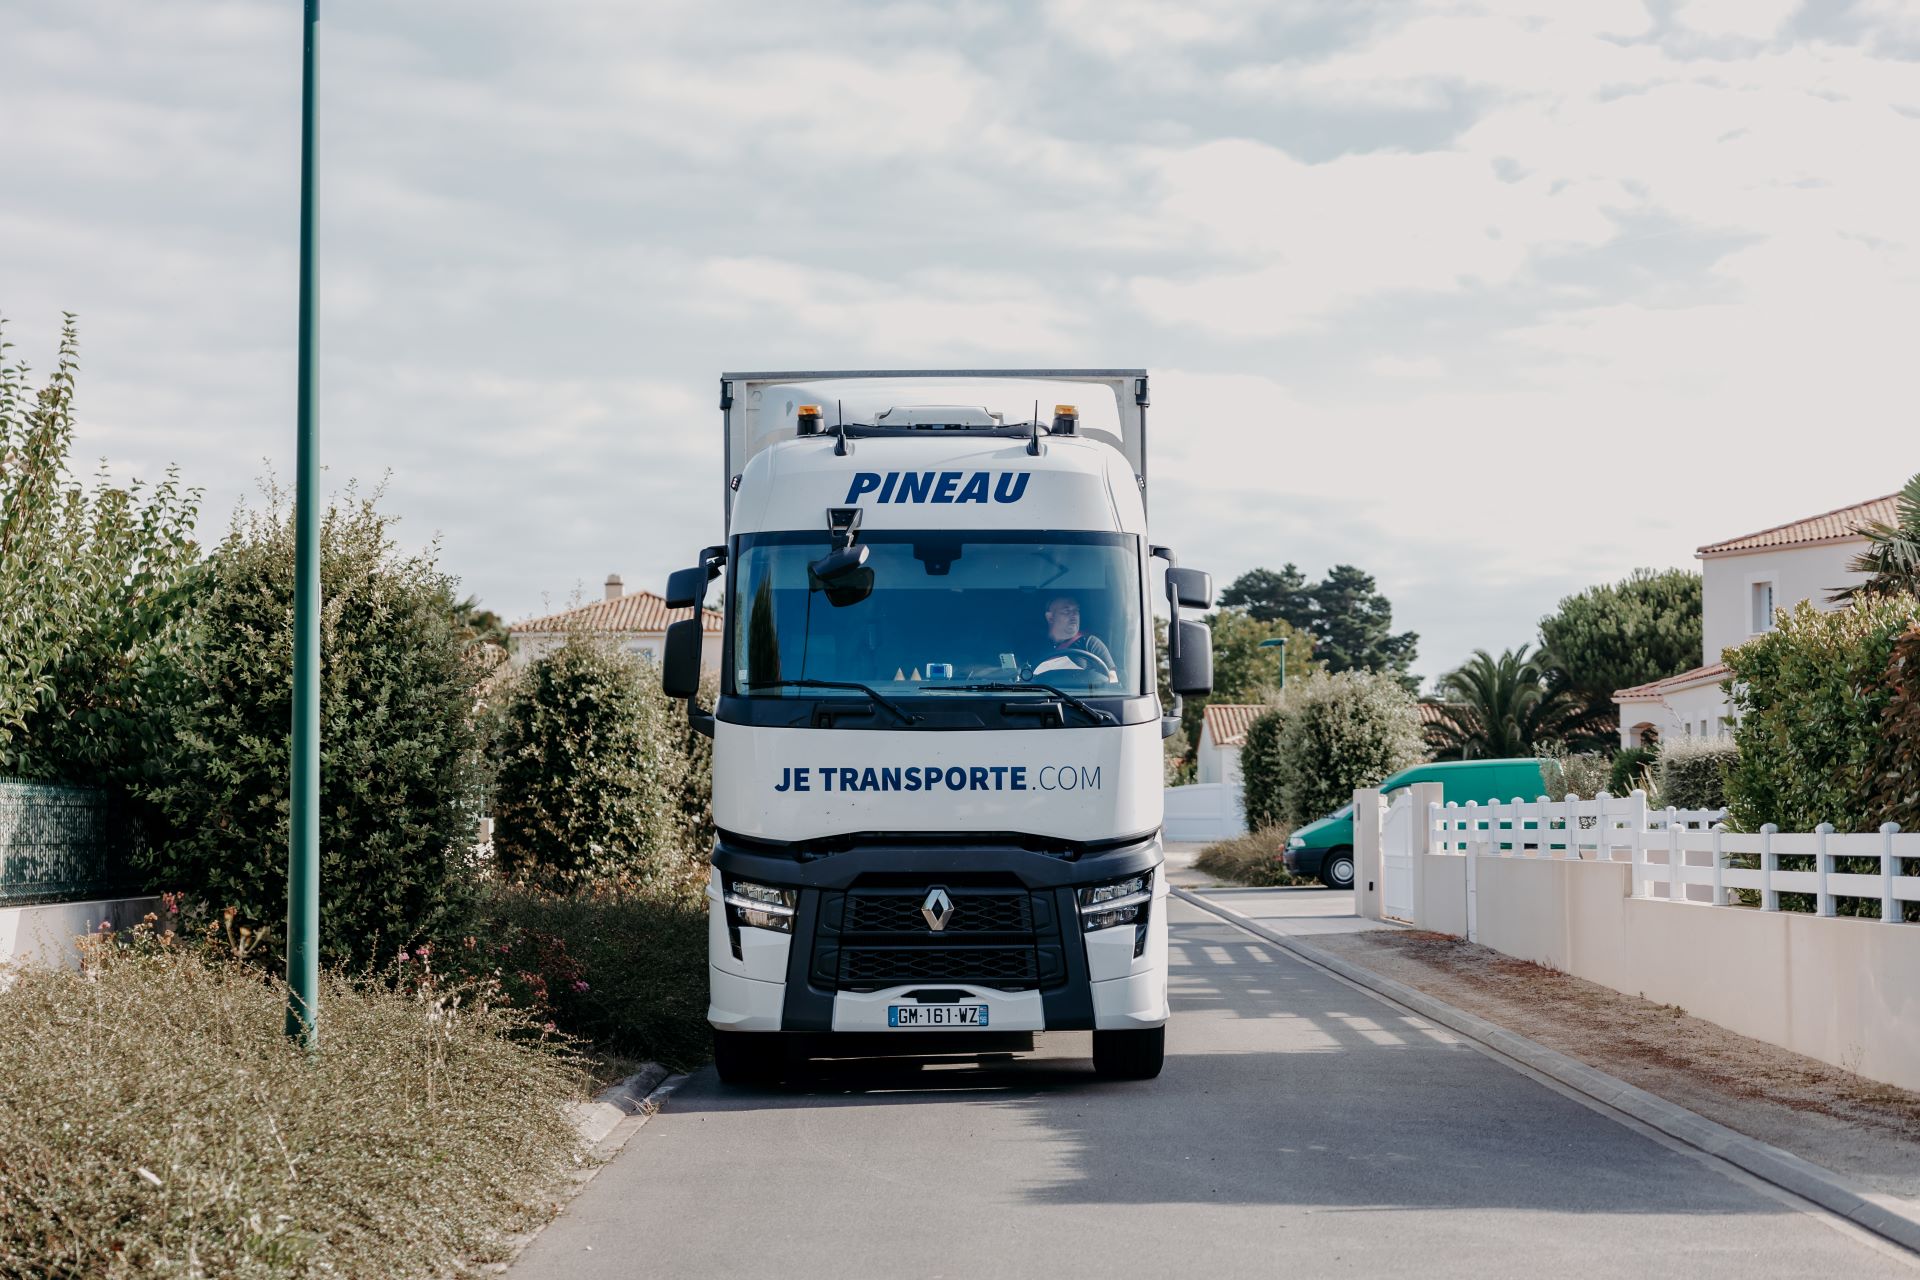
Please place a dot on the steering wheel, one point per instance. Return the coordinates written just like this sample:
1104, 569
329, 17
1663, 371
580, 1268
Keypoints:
1106, 668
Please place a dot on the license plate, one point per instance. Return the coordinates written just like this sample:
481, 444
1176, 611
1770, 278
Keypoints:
936, 1015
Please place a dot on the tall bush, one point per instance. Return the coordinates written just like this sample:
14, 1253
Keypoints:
1692, 772
1811, 698
1340, 732
1260, 794
592, 780
91, 591
400, 783
1894, 783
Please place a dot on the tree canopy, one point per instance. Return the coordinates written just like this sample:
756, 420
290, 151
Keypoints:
1350, 621
1644, 627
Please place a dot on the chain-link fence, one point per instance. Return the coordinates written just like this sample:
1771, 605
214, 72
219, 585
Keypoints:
62, 844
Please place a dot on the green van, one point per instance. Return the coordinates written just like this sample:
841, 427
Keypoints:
1325, 848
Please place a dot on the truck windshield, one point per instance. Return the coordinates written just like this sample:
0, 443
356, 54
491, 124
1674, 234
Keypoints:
931, 612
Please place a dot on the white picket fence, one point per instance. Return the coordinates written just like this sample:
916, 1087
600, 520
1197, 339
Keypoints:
1678, 854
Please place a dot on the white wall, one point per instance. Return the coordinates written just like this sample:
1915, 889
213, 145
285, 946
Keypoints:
1836, 989
1202, 813
1797, 573
1215, 763
1690, 713
529, 645
45, 934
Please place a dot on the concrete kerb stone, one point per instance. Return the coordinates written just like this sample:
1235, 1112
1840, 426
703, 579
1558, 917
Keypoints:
1763, 1160
635, 1098
604, 1124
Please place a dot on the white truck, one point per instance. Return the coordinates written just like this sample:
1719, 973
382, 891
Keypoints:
936, 746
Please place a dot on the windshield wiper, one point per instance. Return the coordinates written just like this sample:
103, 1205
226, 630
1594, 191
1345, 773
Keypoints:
1085, 708
906, 717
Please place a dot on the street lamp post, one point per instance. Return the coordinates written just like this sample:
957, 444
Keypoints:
303, 854
1279, 642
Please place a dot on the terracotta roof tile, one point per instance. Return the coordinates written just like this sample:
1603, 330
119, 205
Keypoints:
1654, 690
1227, 721
639, 611
1829, 526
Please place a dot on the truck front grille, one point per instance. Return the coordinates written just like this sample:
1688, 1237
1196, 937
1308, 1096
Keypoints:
876, 936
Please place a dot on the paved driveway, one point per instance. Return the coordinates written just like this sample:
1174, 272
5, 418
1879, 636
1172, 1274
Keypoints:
1301, 1128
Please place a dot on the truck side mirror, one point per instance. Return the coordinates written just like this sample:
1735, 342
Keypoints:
1189, 662
687, 588
1190, 588
680, 664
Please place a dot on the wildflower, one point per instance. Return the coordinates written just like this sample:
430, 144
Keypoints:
405, 955
580, 986
546, 1026
424, 950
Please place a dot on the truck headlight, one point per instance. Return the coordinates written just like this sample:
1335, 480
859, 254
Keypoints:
1296, 842
760, 906
1116, 902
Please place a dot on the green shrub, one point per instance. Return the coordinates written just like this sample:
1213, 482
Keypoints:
592, 774
155, 1121
1340, 732
1811, 698
1254, 858
91, 592
623, 967
400, 779
1894, 785
1260, 797
1632, 770
1692, 773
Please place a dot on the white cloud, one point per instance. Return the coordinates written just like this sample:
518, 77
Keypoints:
1749, 19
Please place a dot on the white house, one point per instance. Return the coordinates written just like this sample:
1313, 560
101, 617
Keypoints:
1223, 731
638, 620
1745, 582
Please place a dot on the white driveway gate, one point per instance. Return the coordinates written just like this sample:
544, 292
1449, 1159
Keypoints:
1396, 858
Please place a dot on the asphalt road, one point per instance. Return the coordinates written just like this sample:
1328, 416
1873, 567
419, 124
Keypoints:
1302, 1127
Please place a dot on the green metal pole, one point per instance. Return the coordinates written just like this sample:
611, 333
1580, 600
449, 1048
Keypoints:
1279, 643
303, 855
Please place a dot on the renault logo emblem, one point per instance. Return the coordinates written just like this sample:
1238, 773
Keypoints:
938, 909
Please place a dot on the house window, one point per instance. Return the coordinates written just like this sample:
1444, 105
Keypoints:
1762, 607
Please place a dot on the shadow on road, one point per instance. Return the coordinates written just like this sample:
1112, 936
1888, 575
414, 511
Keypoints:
1282, 1086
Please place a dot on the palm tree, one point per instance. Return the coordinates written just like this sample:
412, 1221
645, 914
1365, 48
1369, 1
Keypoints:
1492, 708
1892, 558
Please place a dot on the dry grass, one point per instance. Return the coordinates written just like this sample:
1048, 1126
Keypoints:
1254, 858
154, 1122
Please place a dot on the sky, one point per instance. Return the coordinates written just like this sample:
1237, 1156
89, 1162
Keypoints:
1496, 299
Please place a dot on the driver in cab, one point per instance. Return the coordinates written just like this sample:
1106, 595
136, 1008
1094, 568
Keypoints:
1071, 645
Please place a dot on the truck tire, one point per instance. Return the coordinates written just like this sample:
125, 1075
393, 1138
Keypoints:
1129, 1055
741, 1057
1336, 869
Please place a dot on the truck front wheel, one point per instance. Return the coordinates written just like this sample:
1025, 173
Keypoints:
1336, 872
1129, 1055
742, 1057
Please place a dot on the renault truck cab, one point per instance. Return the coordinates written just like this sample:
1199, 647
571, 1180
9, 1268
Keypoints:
936, 746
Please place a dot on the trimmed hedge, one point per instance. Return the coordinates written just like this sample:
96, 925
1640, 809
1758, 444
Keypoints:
1813, 698
1260, 770
1894, 779
1692, 772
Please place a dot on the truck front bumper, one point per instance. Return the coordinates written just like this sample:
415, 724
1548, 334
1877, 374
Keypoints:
1034, 969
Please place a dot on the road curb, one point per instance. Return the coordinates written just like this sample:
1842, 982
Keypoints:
633, 1097
1763, 1160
